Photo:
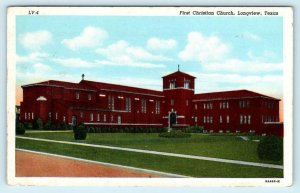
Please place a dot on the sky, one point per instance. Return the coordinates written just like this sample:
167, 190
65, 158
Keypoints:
223, 53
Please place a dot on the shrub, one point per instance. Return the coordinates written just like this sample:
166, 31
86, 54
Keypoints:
27, 126
175, 134
62, 126
195, 129
47, 125
53, 127
37, 124
80, 132
20, 129
270, 148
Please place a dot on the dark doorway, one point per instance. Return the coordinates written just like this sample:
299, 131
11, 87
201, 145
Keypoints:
74, 121
172, 119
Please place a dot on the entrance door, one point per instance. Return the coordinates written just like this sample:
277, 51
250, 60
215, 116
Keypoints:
172, 119
74, 120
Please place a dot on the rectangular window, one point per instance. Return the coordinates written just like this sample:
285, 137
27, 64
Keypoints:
25, 116
196, 119
119, 119
172, 102
49, 115
56, 116
220, 105
186, 84
227, 105
211, 106
245, 119
77, 95
249, 119
157, 107
111, 118
81, 114
98, 117
227, 118
29, 116
241, 119
221, 119
172, 84
211, 119
248, 103
64, 118
187, 102
204, 119
89, 97
143, 104
111, 102
196, 106
204, 106
128, 104
104, 118
91, 117
32, 115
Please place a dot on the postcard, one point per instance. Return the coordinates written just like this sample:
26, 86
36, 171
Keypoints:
150, 96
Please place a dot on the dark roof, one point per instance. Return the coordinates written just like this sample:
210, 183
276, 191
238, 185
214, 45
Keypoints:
178, 74
230, 95
115, 87
61, 84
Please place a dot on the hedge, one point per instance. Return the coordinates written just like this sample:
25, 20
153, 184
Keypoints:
175, 134
270, 148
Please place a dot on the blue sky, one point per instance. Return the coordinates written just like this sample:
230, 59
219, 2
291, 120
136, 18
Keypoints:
224, 53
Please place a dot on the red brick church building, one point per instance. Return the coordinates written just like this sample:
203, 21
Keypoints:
102, 104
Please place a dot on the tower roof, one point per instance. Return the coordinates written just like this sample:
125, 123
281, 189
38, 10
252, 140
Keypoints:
178, 74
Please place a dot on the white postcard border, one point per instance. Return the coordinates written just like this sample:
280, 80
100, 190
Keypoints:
285, 12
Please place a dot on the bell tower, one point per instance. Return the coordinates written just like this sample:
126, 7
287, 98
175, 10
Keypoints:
178, 89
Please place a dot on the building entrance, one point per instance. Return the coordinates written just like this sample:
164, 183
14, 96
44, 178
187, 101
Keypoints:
172, 119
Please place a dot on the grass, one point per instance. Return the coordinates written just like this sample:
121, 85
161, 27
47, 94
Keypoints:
183, 166
219, 146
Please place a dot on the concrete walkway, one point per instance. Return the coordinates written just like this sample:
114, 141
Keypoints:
161, 153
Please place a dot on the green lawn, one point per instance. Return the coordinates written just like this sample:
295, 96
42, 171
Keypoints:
183, 166
219, 146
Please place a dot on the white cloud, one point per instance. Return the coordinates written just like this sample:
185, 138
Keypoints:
74, 62
204, 48
251, 36
35, 40
123, 54
32, 57
271, 85
130, 64
89, 37
161, 44
40, 68
237, 65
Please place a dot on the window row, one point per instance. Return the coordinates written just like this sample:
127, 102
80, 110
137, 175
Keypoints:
227, 119
224, 105
111, 104
77, 96
56, 116
244, 119
269, 119
29, 116
244, 104
97, 117
268, 104
207, 106
208, 119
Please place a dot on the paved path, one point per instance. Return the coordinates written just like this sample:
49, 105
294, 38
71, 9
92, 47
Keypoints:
39, 164
161, 153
